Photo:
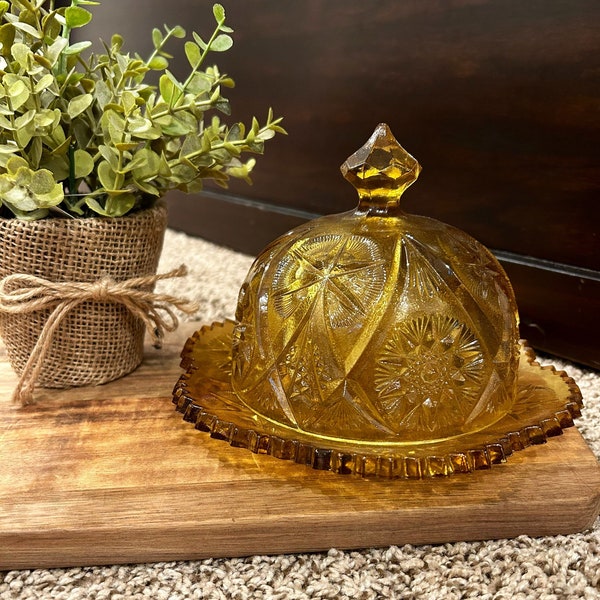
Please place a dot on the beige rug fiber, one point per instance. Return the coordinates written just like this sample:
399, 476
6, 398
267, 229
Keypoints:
524, 568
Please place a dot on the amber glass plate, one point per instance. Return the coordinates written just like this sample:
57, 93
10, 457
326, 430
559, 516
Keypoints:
547, 402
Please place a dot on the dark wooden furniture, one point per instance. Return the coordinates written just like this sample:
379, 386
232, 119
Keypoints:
498, 100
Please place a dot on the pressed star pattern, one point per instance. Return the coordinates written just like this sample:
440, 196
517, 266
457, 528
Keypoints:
429, 373
342, 274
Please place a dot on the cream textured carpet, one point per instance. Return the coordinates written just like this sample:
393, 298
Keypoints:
542, 569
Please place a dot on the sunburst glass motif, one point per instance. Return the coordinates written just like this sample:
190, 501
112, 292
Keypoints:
346, 273
429, 374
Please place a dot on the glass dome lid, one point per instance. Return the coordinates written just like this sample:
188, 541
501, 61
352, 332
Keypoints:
372, 335
376, 325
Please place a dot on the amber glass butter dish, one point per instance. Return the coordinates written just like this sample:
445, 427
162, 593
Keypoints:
375, 342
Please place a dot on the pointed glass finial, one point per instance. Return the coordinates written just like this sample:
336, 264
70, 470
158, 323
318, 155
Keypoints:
381, 170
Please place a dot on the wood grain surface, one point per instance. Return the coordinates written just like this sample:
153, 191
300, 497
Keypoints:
112, 474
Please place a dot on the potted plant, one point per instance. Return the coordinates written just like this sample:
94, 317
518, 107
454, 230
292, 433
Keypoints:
89, 145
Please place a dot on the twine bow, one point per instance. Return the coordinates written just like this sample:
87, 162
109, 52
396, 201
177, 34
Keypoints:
22, 294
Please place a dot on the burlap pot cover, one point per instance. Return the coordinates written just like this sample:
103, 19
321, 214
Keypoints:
98, 341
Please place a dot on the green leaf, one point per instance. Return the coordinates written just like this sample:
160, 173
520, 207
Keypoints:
116, 125
34, 33
51, 25
139, 158
128, 102
59, 167
193, 53
8, 148
55, 49
192, 187
43, 61
114, 107
152, 133
57, 138
28, 15
20, 199
232, 149
140, 126
199, 84
215, 97
24, 135
15, 163
62, 142
219, 13
177, 127
222, 43
126, 146
6, 124
166, 87
146, 187
42, 182
109, 154
7, 38
43, 83
157, 37
182, 173
19, 94
190, 120
178, 31
75, 16
206, 141
16, 88
117, 206
47, 118
164, 170
84, 163
191, 145
34, 156
79, 104
95, 206
158, 63
242, 171
102, 93
21, 53
52, 198
76, 48
122, 62
88, 84
33, 215
24, 119
116, 42
146, 164
106, 175
236, 132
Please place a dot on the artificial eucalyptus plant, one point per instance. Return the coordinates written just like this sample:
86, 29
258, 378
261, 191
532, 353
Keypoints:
86, 134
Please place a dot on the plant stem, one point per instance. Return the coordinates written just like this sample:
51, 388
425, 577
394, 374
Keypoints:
242, 142
202, 57
71, 155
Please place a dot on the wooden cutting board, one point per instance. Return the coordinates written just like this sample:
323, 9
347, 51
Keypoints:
112, 474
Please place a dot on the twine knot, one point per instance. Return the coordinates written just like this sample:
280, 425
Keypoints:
22, 294
101, 290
